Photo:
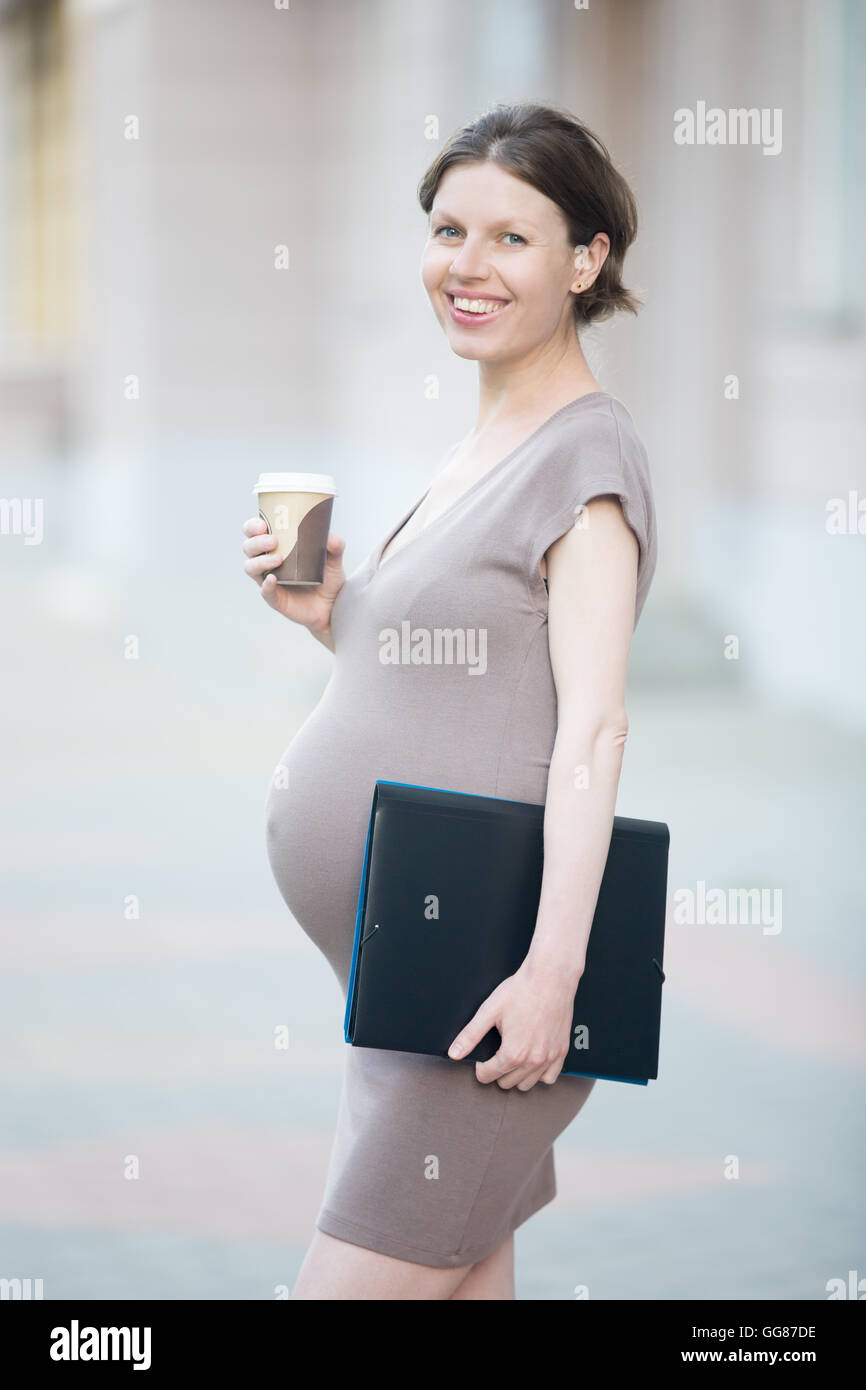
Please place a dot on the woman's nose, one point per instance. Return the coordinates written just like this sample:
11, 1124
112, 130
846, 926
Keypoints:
470, 261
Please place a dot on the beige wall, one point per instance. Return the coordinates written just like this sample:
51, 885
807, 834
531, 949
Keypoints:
306, 127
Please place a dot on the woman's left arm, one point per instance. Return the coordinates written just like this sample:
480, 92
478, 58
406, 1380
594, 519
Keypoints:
592, 579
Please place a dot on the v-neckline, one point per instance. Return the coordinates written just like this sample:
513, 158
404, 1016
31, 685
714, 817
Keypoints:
378, 564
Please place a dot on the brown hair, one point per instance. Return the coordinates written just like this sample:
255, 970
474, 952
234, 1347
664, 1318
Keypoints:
556, 153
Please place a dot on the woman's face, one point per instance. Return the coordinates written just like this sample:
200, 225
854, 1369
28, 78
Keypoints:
497, 265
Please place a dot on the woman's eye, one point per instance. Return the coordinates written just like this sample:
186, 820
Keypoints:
444, 230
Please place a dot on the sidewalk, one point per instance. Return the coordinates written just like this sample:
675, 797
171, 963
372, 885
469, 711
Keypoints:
154, 1037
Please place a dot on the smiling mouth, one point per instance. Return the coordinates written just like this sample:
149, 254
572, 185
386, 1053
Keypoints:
475, 309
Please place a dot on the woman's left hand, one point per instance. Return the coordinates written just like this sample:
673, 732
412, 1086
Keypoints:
533, 1013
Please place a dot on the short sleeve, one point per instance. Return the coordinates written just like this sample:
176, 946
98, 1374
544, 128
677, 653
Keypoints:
595, 454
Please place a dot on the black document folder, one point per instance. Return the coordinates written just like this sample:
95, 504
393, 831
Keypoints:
449, 895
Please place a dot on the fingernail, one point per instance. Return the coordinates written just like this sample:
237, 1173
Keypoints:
455, 1050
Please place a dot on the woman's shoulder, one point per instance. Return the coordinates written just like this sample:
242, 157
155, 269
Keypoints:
599, 414
593, 439
592, 449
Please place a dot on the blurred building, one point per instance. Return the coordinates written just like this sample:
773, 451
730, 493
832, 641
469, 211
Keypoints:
159, 159
154, 157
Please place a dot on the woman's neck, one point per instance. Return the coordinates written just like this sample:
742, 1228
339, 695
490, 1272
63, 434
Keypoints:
533, 388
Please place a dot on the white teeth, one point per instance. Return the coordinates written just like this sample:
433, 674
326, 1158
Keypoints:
477, 306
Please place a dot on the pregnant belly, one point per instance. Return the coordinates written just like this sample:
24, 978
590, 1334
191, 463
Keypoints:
318, 804
317, 811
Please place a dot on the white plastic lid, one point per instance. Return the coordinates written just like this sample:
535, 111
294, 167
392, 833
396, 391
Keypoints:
295, 482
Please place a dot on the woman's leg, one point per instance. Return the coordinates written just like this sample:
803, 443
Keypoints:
492, 1278
335, 1269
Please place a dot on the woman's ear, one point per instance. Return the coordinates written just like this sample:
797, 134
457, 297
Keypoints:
588, 261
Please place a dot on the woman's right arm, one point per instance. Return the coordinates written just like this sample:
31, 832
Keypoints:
309, 607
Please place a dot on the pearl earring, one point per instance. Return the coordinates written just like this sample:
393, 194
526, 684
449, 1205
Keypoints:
580, 255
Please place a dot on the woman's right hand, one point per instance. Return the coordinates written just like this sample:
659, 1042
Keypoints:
307, 606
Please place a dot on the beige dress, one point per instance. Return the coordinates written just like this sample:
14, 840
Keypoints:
429, 1164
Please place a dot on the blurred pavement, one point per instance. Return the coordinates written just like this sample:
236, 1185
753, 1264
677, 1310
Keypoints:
155, 1037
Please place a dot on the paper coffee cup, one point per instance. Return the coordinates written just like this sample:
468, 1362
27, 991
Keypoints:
297, 508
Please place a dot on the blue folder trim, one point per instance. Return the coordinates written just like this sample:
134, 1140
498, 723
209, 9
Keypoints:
629, 1080
357, 940
418, 786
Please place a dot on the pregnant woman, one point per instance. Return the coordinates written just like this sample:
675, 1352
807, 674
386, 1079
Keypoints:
538, 531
